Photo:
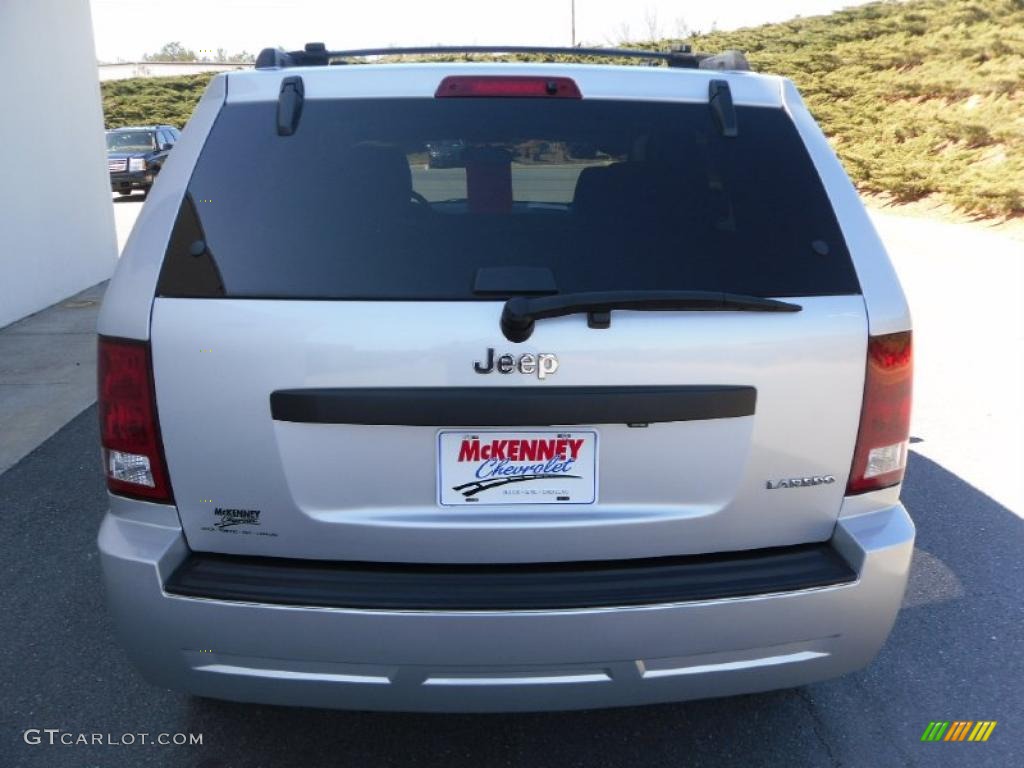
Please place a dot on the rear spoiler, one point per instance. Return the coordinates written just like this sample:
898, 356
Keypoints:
317, 55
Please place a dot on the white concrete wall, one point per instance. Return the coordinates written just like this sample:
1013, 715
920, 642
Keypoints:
56, 217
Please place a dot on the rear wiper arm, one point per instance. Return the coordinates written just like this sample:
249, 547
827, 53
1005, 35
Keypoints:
521, 312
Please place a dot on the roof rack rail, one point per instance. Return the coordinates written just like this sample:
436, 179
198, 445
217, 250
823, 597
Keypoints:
316, 54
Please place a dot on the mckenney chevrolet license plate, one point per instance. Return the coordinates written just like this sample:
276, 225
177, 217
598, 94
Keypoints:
516, 468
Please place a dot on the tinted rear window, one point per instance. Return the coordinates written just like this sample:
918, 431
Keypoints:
411, 198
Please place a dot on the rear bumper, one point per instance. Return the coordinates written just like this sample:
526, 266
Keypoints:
487, 660
131, 180
515, 587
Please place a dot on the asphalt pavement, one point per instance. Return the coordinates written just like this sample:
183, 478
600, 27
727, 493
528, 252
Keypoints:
956, 654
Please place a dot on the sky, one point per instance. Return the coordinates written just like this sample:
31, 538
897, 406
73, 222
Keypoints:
127, 29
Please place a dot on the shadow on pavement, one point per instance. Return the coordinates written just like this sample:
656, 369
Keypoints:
956, 653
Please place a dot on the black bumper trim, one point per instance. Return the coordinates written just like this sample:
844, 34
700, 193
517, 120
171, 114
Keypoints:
511, 406
544, 586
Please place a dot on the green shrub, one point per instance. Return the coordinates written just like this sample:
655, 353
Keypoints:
921, 98
149, 100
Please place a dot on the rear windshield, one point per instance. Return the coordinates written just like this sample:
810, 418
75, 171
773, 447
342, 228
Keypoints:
449, 199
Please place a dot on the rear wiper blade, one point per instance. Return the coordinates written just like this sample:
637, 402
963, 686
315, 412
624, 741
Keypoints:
521, 312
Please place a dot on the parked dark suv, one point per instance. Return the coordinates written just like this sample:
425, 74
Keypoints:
135, 155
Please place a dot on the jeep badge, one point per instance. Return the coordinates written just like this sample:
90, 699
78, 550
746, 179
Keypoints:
542, 364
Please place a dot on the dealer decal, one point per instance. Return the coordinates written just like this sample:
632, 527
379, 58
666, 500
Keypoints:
237, 521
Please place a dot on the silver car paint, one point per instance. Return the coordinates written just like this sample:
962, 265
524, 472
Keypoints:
516, 660
381, 81
369, 493
496, 661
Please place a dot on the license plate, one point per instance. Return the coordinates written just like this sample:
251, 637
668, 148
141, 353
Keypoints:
516, 468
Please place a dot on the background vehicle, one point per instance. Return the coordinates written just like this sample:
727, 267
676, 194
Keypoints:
349, 368
135, 155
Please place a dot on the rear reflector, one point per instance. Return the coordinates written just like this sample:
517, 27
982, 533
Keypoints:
880, 456
517, 86
133, 457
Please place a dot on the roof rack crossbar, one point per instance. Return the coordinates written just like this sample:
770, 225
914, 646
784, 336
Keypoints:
316, 54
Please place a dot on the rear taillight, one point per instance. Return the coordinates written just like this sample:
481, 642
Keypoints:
508, 86
880, 456
133, 456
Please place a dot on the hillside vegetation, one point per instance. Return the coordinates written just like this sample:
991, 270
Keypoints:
148, 100
919, 98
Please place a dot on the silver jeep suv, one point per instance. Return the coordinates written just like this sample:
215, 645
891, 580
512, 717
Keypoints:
610, 407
